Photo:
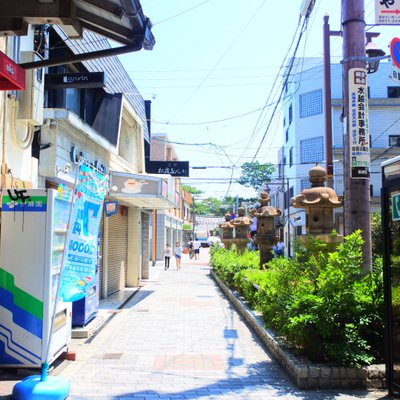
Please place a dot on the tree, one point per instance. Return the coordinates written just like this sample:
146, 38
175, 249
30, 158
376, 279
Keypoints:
255, 175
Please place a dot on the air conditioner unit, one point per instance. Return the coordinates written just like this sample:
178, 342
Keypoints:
31, 99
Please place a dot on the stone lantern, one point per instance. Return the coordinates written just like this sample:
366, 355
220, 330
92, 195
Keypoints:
319, 202
266, 230
227, 231
241, 224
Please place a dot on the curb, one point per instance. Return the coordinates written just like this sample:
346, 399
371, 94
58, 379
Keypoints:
304, 373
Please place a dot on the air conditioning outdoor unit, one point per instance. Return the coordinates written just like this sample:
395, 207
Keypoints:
31, 99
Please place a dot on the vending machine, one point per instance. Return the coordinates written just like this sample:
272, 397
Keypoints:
33, 231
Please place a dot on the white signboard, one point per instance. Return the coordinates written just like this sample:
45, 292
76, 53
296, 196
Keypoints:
358, 123
395, 74
387, 12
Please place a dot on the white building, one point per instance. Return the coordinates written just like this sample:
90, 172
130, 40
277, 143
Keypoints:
304, 141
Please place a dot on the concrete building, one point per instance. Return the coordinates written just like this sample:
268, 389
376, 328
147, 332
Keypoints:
303, 135
169, 222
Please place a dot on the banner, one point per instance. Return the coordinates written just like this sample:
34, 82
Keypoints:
80, 253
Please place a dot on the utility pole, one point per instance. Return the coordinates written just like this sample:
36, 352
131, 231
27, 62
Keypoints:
355, 125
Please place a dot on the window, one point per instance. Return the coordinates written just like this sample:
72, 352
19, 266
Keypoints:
394, 140
287, 134
311, 103
371, 190
312, 150
393, 92
291, 156
290, 114
305, 184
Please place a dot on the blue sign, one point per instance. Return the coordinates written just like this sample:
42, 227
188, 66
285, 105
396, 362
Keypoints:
110, 208
395, 51
80, 254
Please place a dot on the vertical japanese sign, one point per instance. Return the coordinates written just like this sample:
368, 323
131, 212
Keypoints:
80, 254
358, 123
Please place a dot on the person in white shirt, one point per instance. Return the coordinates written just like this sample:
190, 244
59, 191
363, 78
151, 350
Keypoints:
196, 248
167, 253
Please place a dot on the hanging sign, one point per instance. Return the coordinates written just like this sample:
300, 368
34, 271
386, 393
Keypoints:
110, 208
12, 76
173, 168
358, 123
387, 12
80, 257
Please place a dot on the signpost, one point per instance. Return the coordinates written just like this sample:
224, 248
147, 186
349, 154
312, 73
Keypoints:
395, 56
387, 12
358, 123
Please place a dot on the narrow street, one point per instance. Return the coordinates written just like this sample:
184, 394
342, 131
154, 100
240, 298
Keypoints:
179, 338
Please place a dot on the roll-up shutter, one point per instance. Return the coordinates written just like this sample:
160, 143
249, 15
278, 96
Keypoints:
117, 251
100, 262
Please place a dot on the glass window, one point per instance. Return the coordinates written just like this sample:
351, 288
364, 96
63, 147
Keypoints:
394, 140
291, 156
305, 184
312, 150
311, 103
393, 92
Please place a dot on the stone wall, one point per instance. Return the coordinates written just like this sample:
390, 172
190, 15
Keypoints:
304, 373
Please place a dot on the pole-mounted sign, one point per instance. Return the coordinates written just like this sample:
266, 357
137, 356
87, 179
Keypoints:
358, 123
387, 12
395, 56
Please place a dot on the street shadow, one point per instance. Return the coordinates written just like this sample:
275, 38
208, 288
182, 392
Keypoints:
251, 383
266, 374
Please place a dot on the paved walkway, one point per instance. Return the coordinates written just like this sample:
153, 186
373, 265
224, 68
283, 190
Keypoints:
179, 338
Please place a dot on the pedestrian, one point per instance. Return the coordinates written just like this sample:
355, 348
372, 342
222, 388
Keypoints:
253, 227
191, 252
178, 255
196, 248
167, 253
279, 248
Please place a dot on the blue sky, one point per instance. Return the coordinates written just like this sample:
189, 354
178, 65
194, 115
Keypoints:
212, 73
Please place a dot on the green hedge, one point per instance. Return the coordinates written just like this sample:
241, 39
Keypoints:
320, 301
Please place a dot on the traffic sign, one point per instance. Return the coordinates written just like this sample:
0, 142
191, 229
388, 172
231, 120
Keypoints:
387, 12
396, 207
395, 51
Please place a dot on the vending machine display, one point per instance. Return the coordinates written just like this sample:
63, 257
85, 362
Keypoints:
33, 231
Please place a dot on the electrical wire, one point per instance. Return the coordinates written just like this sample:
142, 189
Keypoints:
222, 56
181, 13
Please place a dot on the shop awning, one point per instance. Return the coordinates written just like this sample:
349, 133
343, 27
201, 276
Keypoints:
139, 190
120, 20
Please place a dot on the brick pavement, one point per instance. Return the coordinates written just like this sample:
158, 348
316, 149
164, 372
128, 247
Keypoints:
179, 338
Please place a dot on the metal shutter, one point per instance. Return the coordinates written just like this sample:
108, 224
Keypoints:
100, 261
117, 251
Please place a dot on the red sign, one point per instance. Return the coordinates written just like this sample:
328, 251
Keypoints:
12, 76
395, 51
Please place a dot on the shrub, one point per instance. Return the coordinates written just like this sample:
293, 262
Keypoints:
320, 300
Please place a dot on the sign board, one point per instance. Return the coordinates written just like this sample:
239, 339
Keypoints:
78, 80
387, 12
358, 123
12, 76
173, 168
396, 207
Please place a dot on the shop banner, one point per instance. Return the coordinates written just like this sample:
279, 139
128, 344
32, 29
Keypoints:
80, 253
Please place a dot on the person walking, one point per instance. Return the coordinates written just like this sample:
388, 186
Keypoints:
196, 248
167, 253
178, 255
279, 248
191, 251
